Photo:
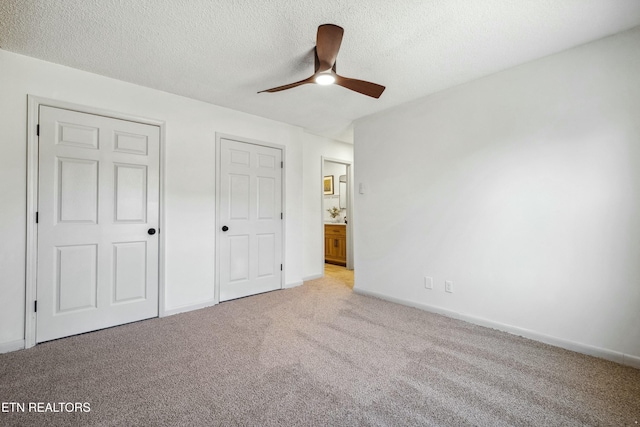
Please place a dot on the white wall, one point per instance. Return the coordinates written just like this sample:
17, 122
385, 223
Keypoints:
523, 188
191, 127
315, 148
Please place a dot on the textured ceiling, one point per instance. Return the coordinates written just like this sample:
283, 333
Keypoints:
224, 51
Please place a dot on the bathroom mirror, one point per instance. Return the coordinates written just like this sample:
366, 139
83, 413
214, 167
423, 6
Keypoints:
342, 182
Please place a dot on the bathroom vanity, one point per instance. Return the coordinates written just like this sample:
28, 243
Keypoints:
335, 244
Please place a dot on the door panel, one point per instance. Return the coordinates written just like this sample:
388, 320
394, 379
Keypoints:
239, 197
76, 135
131, 143
266, 198
98, 194
129, 268
238, 258
266, 254
76, 278
77, 191
251, 207
130, 193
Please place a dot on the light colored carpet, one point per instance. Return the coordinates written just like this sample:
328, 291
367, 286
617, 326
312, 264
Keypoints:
315, 355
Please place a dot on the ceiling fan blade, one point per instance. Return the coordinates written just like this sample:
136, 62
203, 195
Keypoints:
366, 88
328, 43
290, 85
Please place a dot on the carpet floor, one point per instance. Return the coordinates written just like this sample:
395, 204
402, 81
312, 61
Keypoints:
314, 355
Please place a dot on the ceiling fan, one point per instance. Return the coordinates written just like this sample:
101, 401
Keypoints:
327, 46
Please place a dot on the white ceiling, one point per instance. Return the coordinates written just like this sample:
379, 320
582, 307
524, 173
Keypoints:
224, 51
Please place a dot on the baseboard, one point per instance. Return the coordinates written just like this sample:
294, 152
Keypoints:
292, 284
209, 303
631, 361
312, 277
188, 307
10, 346
603, 353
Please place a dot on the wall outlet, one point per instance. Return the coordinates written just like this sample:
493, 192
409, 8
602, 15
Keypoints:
428, 282
448, 286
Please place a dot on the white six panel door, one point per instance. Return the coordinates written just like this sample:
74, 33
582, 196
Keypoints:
251, 208
98, 196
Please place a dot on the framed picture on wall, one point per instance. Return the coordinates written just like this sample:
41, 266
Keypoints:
328, 184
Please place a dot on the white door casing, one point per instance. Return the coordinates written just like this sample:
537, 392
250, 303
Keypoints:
250, 206
98, 196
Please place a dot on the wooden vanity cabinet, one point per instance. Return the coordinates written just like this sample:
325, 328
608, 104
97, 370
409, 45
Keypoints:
335, 244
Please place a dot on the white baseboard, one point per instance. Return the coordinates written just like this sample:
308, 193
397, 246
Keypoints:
603, 353
313, 277
188, 307
631, 361
209, 303
10, 346
292, 285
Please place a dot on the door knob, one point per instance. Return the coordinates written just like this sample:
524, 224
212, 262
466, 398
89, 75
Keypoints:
225, 228
151, 231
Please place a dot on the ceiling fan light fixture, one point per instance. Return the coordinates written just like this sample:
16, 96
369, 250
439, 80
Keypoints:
328, 41
325, 79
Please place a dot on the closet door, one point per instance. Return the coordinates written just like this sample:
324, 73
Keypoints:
98, 209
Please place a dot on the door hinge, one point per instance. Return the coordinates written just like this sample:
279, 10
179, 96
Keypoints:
36, 217
281, 215
280, 267
281, 165
38, 130
35, 306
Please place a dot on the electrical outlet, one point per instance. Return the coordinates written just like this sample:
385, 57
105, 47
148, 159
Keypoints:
428, 282
448, 286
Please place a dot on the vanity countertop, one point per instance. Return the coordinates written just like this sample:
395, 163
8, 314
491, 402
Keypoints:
334, 223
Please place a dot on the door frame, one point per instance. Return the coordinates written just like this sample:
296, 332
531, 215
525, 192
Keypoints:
33, 107
349, 165
216, 222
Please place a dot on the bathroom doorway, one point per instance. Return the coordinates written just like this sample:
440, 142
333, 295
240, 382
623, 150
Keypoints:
337, 208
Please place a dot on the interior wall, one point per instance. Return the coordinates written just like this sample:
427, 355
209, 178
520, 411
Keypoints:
315, 148
191, 128
523, 189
